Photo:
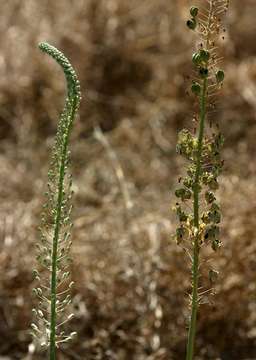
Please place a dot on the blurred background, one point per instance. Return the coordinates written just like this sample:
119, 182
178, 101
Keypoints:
131, 280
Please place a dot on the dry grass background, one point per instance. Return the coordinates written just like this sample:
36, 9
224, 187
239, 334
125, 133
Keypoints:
133, 58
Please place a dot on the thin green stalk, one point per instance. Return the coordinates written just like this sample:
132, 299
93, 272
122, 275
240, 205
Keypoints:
196, 248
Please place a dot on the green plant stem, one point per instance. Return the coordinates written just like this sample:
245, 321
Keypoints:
196, 247
57, 227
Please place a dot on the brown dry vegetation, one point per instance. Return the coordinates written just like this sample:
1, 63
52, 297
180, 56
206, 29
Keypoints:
132, 58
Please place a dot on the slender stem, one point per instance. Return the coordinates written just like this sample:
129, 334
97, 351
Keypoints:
54, 255
52, 350
196, 247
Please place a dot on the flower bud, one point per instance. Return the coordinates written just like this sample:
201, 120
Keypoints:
204, 55
220, 75
184, 194
193, 11
191, 24
196, 59
203, 72
182, 216
211, 233
180, 234
196, 88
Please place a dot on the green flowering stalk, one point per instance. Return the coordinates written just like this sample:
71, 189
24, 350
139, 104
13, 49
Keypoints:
201, 226
53, 250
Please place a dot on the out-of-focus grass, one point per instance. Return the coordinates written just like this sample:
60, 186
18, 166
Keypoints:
133, 59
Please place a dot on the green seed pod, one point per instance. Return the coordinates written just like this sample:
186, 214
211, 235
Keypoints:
196, 88
204, 55
196, 59
193, 11
211, 181
182, 216
214, 214
216, 217
191, 24
203, 72
215, 207
180, 234
183, 194
220, 75
211, 233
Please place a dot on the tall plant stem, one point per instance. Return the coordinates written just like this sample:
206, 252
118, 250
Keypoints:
52, 349
56, 224
196, 247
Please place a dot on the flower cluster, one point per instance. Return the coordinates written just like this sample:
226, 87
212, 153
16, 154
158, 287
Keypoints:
211, 165
203, 152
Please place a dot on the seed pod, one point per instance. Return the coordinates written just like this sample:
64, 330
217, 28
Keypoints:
214, 214
211, 232
193, 11
196, 88
203, 72
184, 194
180, 234
196, 59
211, 181
220, 75
191, 24
204, 55
182, 216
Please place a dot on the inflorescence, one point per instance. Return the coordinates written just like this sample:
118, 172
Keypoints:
203, 152
200, 226
54, 286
